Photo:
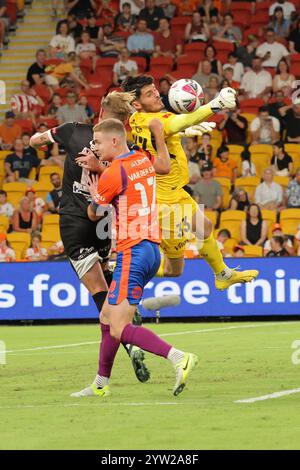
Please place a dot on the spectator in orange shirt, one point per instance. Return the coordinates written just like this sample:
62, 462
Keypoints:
185, 7
228, 75
224, 167
9, 131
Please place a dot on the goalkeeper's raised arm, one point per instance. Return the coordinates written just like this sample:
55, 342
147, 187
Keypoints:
147, 100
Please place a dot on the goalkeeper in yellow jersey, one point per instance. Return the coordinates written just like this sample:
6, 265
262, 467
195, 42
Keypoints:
179, 213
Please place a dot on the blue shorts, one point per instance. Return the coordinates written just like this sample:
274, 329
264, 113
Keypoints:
135, 267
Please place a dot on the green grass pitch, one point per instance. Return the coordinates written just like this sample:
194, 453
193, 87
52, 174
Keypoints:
237, 361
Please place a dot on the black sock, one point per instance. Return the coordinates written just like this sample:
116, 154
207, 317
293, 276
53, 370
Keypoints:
99, 299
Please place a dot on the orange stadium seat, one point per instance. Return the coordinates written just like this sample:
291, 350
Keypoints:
295, 69
45, 172
289, 220
282, 180
15, 192
4, 223
251, 105
195, 47
42, 189
270, 217
50, 219
4, 153
229, 245
261, 148
261, 162
19, 240
232, 220
249, 184
51, 233
223, 46
161, 64
212, 216
252, 251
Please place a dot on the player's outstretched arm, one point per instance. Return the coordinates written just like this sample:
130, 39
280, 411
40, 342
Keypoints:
162, 164
225, 100
39, 139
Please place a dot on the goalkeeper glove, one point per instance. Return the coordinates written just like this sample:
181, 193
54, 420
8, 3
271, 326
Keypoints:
199, 129
226, 99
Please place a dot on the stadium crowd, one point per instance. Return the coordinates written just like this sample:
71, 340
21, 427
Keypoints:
246, 173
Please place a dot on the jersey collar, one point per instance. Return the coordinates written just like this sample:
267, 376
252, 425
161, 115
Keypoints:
125, 155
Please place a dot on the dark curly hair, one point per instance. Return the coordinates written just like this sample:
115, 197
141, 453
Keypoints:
136, 84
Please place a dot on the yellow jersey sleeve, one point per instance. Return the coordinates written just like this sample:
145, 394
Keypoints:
168, 186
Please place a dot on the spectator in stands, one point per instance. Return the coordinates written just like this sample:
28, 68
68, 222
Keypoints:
151, 14
37, 203
268, 194
104, 9
214, 24
53, 197
204, 150
254, 229
207, 10
237, 67
235, 126
136, 6
229, 32
26, 143
125, 67
192, 150
228, 75
287, 7
94, 31
210, 54
194, 173
248, 167
283, 79
75, 28
274, 108
111, 44
196, 30
6, 208
204, 73
278, 232
25, 103
271, 51
55, 104
281, 162
167, 44
208, 191
72, 111
212, 90
277, 248
18, 165
7, 254
222, 237
168, 8
125, 20
86, 49
224, 167
9, 131
36, 72
280, 25
239, 200
257, 82
63, 71
247, 53
164, 87
294, 39
4, 22
62, 43
81, 8
83, 101
141, 43
185, 7
291, 117
25, 219
264, 128
238, 251
292, 195
36, 252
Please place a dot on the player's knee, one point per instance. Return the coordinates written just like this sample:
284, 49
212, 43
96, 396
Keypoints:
116, 332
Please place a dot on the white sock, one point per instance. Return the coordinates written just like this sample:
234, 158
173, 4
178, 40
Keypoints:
175, 356
101, 381
225, 274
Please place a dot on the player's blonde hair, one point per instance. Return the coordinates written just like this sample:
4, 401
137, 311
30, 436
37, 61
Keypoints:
112, 126
118, 104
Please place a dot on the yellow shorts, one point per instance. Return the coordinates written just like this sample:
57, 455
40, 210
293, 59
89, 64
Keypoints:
176, 224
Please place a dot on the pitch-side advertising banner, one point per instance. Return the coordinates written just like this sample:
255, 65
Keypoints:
51, 290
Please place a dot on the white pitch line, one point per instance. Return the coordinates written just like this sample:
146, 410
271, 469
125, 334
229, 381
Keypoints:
269, 397
180, 333
98, 404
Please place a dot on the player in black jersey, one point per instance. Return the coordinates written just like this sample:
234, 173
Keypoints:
83, 247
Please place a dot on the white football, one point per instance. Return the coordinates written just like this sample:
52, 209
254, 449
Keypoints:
185, 96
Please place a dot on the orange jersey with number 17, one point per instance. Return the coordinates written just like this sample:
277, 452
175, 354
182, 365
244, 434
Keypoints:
129, 184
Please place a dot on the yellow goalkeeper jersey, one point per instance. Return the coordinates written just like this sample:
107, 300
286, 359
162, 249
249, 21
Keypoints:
168, 186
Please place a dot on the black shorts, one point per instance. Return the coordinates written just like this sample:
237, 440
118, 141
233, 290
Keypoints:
82, 246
